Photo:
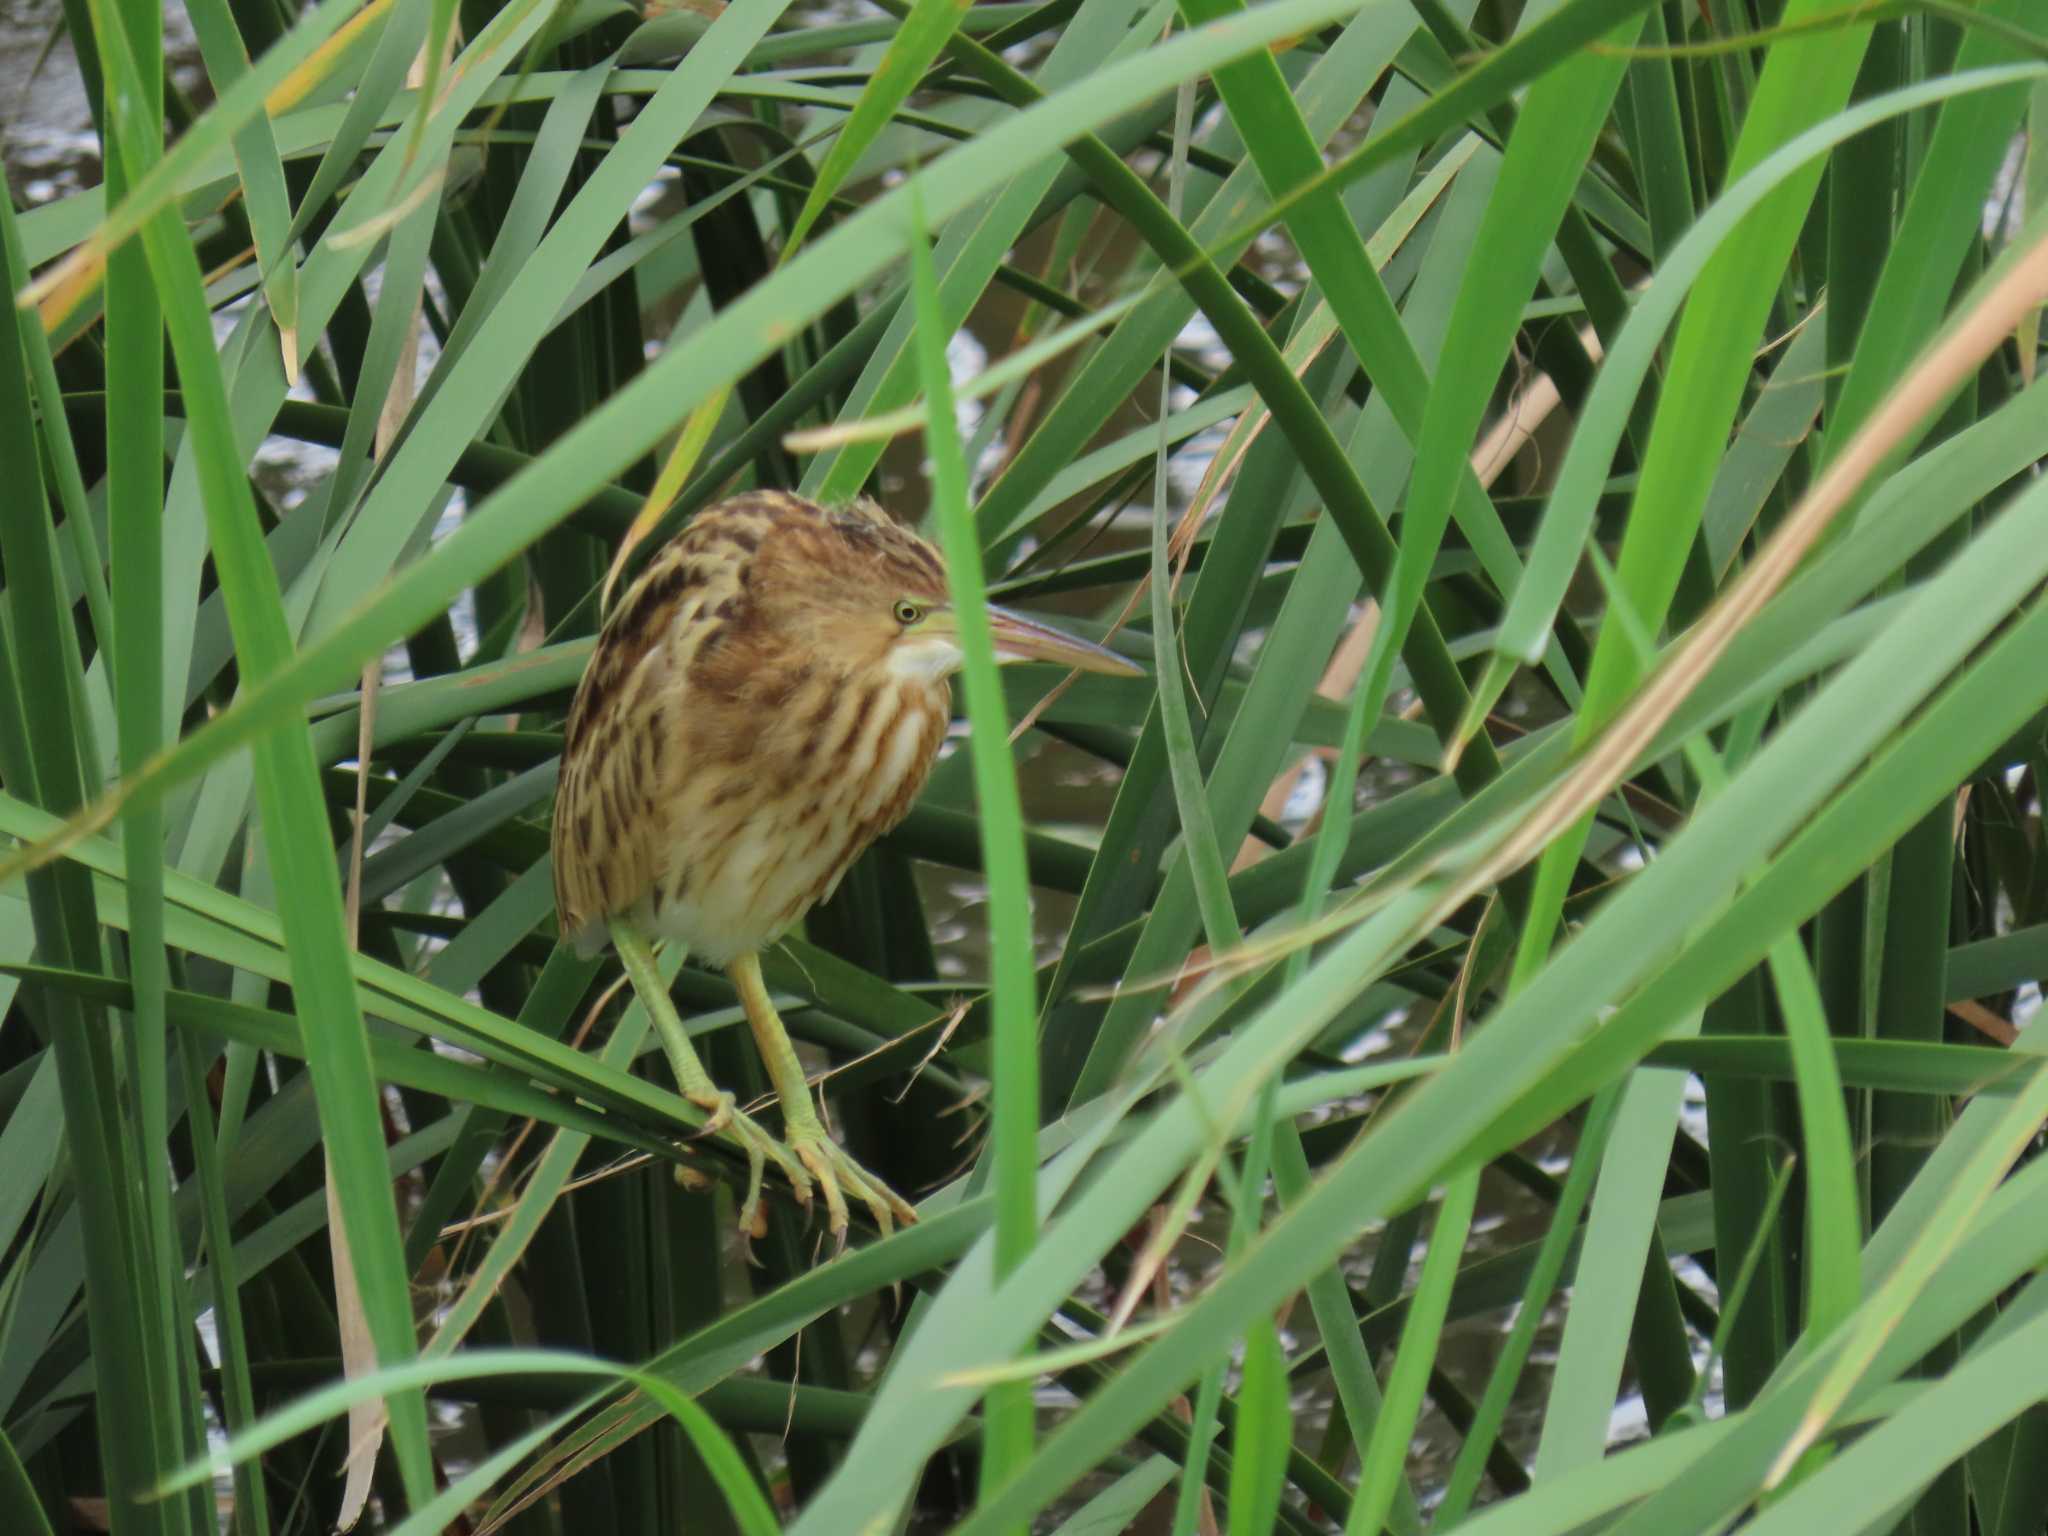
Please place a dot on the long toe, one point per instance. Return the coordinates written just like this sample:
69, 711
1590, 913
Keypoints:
761, 1149
842, 1176
799, 1175
793, 1169
883, 1203
818, 1157
886, 1203
880, 1208
753, 1221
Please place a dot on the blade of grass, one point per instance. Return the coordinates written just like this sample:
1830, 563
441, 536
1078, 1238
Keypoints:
973, 243
588, 456
1258, 1464
18, 1496
157, 187
1520, 1052
1008, 1414
395, 1382
1294, 411
1935, 230
288, 787
543, 1187
262, 173
1380, 1476
62, 453
209, 1018
1731, 1474
472, 386
41, 754
1191, 797
1466, 1471
1568, 519
134, 490
1291, 655
915, 43
1612, 1303
210, 922
1804, 81
1515, 237
1204, 859
1332, 91
1876, 1319
1861, 1489
1647, 1471
252, 1499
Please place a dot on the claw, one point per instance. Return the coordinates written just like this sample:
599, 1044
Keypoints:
839, 1175
721, 1109
889, 1208
821, 1169
807, 1137
752, 1222
728, 1120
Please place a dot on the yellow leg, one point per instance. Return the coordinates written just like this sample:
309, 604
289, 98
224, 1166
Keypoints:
726, 1119
836, 1173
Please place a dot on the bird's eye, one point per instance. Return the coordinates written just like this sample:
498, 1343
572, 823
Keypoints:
908, 613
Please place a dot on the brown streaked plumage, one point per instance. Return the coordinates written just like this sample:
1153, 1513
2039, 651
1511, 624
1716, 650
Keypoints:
765, 700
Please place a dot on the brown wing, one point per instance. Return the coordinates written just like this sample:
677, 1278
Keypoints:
607, 826
622, 758
681, 682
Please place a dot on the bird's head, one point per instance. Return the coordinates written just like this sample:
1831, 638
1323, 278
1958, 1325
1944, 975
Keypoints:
868, 592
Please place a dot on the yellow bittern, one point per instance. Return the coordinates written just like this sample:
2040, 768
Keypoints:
765, 700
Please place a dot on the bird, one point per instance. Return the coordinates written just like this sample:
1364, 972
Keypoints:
764, 700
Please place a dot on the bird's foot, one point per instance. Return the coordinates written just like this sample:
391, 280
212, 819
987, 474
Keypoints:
838, 1175
804, 1132
729, 1120
719, 1106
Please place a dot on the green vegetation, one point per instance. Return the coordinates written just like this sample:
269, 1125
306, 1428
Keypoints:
1597, 436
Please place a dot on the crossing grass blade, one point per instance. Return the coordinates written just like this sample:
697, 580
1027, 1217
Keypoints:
1009, 1412
1230, 963
338, 1050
